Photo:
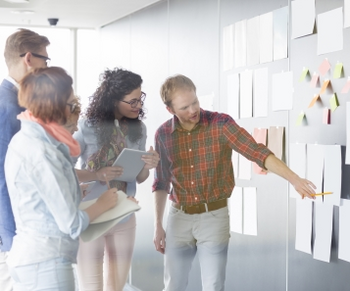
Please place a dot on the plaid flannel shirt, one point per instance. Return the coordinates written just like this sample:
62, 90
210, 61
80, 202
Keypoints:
198, 162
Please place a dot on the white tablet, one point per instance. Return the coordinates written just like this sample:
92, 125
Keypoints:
130, 161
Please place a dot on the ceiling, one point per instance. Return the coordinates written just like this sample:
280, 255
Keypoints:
71, 13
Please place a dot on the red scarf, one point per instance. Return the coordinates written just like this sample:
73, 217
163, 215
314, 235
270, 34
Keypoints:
55, 130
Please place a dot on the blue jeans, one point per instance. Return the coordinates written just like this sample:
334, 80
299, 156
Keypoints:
206, 234
53, 275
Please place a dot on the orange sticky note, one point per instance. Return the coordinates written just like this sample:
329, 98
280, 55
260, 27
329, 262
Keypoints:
324, 67
313, 101
324, 86
326, 116
314, 80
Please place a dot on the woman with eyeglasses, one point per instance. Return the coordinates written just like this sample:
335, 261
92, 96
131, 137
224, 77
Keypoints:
43, 186
113, 122
72, 121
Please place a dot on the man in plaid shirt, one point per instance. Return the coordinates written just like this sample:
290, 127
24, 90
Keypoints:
195, 149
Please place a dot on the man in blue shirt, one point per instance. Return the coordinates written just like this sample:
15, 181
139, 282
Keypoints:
24, 50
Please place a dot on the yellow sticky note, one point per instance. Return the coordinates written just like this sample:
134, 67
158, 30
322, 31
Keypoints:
300, 118
338, 70
303, 74
334, 102
324, 86
313, 101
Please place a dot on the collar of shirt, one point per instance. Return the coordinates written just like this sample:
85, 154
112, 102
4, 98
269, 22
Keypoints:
11, 80
36, 130
203, 122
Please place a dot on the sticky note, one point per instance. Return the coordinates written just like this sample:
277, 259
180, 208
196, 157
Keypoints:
346, 87
324, 67
314, 80
303, 74
300, 118
313, 101
338, 70
324, 86
326, 116
334, 102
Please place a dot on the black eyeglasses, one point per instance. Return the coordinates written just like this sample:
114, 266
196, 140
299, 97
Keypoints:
72, 106
133, 103
47, 59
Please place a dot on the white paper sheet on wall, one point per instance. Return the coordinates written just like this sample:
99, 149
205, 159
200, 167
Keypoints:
332, 174
253, 51
280, 33
303, 17
246, 94
207, 101
275, 141
228, 47
282, 91
344, 231
346, 13
235, 157
250, 215
347, 155
314, 166
236, 210
233, 95
323, 231
244, 168
330, 31
303, 232
240, 43
260, 92
297, 163
266, 38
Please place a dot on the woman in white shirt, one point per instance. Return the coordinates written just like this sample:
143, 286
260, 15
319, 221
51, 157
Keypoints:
43, 186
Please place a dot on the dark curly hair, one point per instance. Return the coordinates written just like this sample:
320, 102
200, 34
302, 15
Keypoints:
114, 85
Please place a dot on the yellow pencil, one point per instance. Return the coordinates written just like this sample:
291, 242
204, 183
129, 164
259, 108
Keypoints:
320, 194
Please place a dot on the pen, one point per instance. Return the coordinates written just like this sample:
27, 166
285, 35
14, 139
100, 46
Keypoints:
109, 187
320, 194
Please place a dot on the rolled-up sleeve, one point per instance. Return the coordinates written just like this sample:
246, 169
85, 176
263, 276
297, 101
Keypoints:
242, 142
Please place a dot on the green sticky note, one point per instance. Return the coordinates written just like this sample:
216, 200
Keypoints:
338, 70
303, 74
300, 118
334, 102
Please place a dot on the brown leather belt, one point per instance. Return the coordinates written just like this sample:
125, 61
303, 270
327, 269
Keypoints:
201, 208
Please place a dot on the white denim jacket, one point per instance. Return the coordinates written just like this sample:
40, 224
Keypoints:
45, 196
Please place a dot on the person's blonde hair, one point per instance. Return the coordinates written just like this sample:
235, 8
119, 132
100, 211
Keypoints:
23, 41
45, 92
172, 84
